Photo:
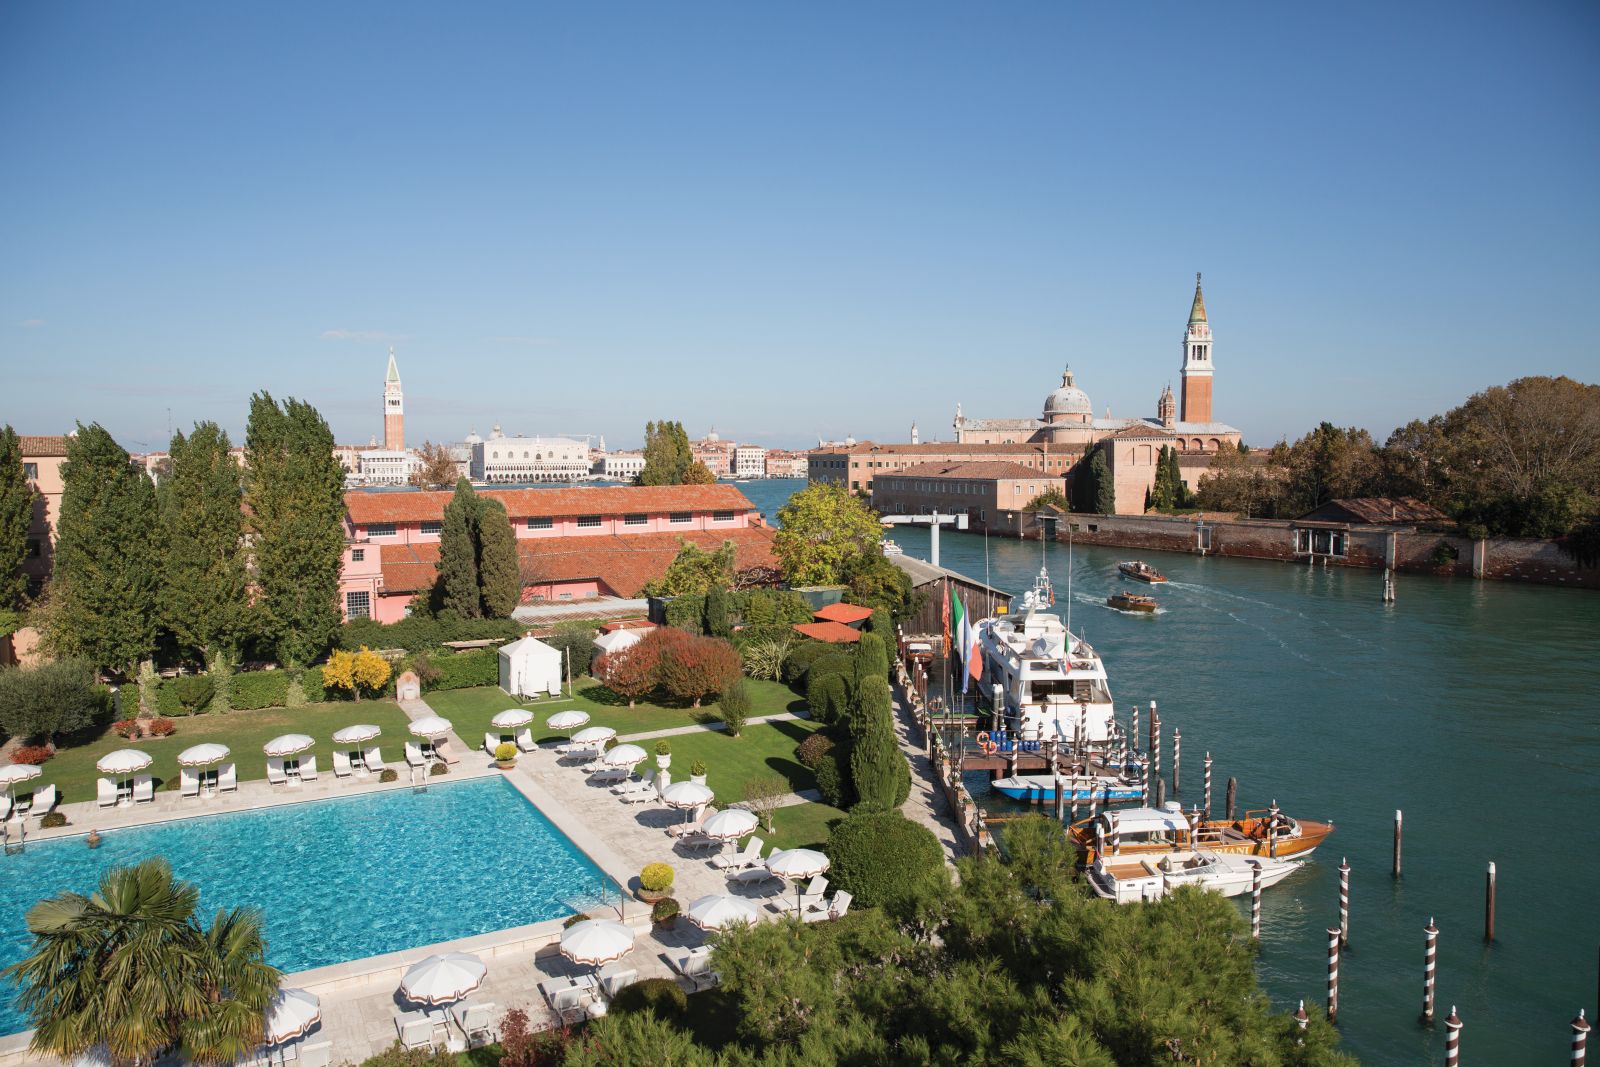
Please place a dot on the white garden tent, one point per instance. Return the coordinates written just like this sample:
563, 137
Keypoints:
530, 667
617, 640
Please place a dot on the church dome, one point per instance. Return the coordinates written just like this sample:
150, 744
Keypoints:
1068, 400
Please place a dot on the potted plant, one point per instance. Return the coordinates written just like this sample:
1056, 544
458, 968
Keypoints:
655, 882
664, 912
697, 772
505, 755
663, 754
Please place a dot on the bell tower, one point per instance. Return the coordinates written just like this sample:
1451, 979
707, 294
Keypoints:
394, 412
1197, 367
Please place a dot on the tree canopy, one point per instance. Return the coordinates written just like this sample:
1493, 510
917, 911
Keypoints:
203, 577
826, 534
668, 458
436, 468
1092, 487
16, 514
695, 572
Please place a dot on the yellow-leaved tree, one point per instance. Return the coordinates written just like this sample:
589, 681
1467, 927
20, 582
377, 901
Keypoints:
359, 672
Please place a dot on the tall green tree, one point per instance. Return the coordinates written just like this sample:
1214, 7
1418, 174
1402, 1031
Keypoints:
872, 657
694, 571
16, 514
1330, 463
825, 534
130, 967
295, 488
106, 566
667, 455
204, 580
459, 590
499, 567
1092, 487
876, 763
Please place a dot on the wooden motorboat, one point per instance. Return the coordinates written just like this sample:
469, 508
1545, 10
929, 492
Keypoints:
1128, 879
1041, 788
1132, 602
1142, 831
1139, 570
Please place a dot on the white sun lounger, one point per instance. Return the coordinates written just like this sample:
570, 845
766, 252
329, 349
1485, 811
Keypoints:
491, 742
442, 753
414, 755
748, 856
341, 764
105, 792
144, 789
318, 1055
373, 759
275, 775
616, 981
476, 1021
525, 740
696, 967
638, 796
699, 841
308, 769
415, 1030
188, 782
692, 826
835, 909
638, 786
228, 778
753, 876
44, 801
610, 774
811, 898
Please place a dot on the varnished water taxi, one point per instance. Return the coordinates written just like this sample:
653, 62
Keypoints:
1141, 571
1144, 831
1132, 602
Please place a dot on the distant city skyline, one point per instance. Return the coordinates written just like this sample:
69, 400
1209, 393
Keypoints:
788, 224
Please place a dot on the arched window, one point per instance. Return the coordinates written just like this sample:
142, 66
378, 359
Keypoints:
1214, 444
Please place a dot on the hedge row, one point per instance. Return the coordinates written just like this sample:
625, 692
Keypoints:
463, 670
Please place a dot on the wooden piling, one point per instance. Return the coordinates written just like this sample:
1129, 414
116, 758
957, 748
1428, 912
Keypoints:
1094, 808
1397, 829
1233, 795
1344, 902
1452, 1039
1255, 901
1161, 792
1430, 953
1116, 834
1580, 1040
1074, 800
1207, 788
1333, 974
1488, 905
1177, 760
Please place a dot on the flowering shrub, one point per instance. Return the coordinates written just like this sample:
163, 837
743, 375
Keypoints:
162, 727
33, 755
127, 728
655, 878
505, 752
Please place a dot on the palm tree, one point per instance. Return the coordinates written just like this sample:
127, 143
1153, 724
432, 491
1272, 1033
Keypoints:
129, 968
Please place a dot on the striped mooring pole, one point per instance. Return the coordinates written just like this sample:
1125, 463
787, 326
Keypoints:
1074, 800
1333, 974
1094, 805
1208, 786
1155, 740
1488, 905
1116, 834
1430, 955
1302, 1020
1580, 1039
1344, 903
1452, 1039
1255, 902
1177, 760
1397, 818
1136, 727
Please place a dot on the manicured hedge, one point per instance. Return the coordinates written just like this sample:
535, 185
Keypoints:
687, 613
833, 777
827, 698
254, 690
167, 698
660, 995
801, 657
882, 858
311, 682
464, 670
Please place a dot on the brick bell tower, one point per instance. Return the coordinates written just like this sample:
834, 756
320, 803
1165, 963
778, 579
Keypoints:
1196, 373
394, 412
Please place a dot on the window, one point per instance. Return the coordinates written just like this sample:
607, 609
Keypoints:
722, 516
681, 517
358, 605
380, 529
357, 555
30, 472
432, 527
635, 520
588, 522
539, 522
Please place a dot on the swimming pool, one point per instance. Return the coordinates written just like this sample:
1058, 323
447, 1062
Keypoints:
337, 879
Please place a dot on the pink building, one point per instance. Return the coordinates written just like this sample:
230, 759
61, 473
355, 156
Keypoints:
573, 543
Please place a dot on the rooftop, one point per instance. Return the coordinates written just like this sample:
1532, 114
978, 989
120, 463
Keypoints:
365, 507
51, 445
984, 469
835, 633
843, 613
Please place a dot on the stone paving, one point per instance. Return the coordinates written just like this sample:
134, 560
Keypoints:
926, 805
782, 716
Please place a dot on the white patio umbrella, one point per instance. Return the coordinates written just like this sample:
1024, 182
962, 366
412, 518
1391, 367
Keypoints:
355, 735
123, 761
686, 795
202, 755
797, 864
291, 1013
567, 720
623, 756
288, 745
730, 824
596, 941
430, 726
594, 735
13, 773
442, 978
512, 718
719, 911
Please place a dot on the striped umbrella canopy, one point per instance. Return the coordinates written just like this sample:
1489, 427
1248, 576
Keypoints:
623, 756
203, 755
512, 718
797, 864
730, 824
719, 911
567, 720
123, 761
594, 735
596, 941
13, 773
292, 1013
430, 726
355, 735
442, 978
686, 795
288, 745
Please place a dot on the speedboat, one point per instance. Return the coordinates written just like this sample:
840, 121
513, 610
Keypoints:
1041, 788
1141, 571
1127, 879
1267, 833
1132, 602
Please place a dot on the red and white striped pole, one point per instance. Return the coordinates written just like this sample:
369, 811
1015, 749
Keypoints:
1452, 1039
1580, 1039
1136, 727
1255, 900
1302, 1019
1430, 952
1344, 903
1116, 834
1333, 974
1155, 740
1208, 786
1177, 761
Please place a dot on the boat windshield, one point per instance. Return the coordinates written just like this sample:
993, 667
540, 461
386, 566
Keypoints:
1071, 691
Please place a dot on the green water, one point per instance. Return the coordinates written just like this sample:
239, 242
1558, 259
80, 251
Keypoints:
1474, 707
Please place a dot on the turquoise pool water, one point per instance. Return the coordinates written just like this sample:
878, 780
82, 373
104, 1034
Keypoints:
337, 879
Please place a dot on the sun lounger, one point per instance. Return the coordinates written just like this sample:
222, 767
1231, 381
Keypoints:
373, 759
414, 755
308, 769
5, 808
525, 740
811, 898
638, 796
228, 778
748, 856
491, 742
318, 1055
415, 1030
275, 775
443, 754
836, 908
692, 826
569, 1002
341, 764
698, 841
618, 980
188, 782
753, 876
476, 1021
695, 966
44, 801
638, 786
610, 774
105, 792
144, 789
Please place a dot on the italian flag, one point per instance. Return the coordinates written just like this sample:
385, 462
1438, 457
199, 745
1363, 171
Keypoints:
958, 631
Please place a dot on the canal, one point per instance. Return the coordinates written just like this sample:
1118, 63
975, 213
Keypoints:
1473, 706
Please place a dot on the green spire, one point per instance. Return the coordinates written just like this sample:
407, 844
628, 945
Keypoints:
394, 371
1197, 311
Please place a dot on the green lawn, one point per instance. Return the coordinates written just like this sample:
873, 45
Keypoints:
72, 769
802, 826
767, 748
469, 710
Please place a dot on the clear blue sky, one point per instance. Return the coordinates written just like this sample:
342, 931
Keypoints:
788, 221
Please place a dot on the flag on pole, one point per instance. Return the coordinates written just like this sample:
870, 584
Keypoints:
956, 649
974, 656
947, 615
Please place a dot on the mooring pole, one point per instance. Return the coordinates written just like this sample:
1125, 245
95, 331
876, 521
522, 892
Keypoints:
1155, 740
1333, 974
1488, 905
1397, 830
1452, 1039
1302, 1020
1208, 786
1136, 728
1161, 792
1177, 760
1094, 803
1233, 795
1344, 903
1255, 902
1580, 1039
1430, 952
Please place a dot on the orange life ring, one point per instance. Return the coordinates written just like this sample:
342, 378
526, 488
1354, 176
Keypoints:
983, 737
990, 748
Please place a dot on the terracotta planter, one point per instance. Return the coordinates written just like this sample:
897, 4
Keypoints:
505, 764
650, 896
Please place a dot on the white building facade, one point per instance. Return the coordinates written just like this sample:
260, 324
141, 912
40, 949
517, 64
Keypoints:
749, 461
529, 459
387, 466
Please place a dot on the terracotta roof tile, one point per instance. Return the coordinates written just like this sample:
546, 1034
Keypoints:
368, 507
53, 445
835, 633
986, 470
845, 613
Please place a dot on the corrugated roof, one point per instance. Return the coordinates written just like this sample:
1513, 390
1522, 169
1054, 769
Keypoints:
921, 572
369, 507
1380, 510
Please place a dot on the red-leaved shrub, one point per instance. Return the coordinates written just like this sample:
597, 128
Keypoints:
32, 754
162, 727
128, 728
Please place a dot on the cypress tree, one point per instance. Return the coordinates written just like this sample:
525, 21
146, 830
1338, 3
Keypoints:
295, 489
1105, 493
872, 659
876, 762
499, 569
717, 624
203, 577
459, 589
105, 580
16, 512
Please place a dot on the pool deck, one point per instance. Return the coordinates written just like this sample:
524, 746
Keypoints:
359, 1000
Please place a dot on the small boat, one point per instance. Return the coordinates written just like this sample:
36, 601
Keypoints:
1132, 602
1139, 570
1041, 788
1267, 833
1128, 879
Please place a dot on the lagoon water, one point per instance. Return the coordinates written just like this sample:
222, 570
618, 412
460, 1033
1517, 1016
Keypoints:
1473, 706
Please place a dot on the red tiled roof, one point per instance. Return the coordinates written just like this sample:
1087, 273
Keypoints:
623, 563
1135, 432
987, 470
835, 633
845, 613
1380, 510
369, 507
626, 624
54, 445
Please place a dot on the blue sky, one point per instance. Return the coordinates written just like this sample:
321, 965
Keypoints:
788, 221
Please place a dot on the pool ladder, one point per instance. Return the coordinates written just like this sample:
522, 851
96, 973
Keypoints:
419, 779
14, 847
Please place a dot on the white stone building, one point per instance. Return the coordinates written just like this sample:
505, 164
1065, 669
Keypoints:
387, 466
749, 461
621, 466
529, 459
